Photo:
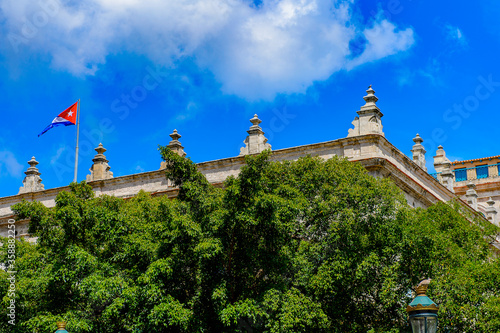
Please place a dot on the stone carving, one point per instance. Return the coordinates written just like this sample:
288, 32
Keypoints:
471, 195
100, 168
255, 142
440, 164
440, 159
32, 182
447, 176
175, 146
418, 151
491, 211
369, 119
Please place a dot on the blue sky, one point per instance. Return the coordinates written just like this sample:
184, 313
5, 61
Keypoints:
204, 67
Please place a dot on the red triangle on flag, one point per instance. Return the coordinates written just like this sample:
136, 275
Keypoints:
70, 113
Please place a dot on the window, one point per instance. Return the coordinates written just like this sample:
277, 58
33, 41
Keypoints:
460, 174
482, 171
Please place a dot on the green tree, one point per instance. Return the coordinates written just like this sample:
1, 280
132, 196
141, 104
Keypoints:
293, 246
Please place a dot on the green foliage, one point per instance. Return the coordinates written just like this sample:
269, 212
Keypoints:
467, 276
292, 246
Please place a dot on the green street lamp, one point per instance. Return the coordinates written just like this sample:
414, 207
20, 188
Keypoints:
61, 327
423, 311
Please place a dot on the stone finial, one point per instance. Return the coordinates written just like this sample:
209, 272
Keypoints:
369, 119
440, 151
447, 176
418, 140
491, 211
471, 195
440, 160
100, 169
370, 98
255, 122
255, 142
175, 146
418, 151
175, 135
32, 182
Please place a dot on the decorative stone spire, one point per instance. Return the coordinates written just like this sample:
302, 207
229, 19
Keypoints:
369, 120
100, 168
440, 159
471, 195
175, 146
447, 176
418, 151
255, 141
32, 182
491, 211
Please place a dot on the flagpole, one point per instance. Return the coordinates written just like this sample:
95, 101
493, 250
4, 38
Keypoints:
77, 137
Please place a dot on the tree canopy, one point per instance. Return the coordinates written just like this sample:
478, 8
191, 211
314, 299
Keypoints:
292, 246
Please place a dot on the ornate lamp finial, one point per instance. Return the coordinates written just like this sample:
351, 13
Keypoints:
422, 301
61, 327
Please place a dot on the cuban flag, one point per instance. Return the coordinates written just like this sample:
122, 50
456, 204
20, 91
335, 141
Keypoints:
66, 118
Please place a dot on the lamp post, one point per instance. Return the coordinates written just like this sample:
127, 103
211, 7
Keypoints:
423, 311
61, 327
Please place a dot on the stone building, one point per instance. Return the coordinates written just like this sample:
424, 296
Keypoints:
475, 181
365, 143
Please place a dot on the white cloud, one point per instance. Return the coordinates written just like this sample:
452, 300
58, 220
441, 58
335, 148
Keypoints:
9, 162
281, 46
189, 112
383, 39
455, 34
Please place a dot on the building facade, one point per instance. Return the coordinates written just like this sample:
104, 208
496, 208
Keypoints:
365, 144
475, 181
